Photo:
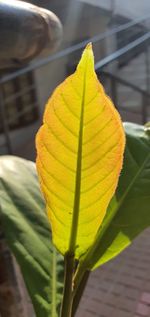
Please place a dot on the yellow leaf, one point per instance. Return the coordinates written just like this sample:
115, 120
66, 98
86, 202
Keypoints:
79, 157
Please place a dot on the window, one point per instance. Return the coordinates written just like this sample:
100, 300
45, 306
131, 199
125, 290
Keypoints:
20, 101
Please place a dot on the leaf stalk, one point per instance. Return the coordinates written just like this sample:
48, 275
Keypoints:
66, 309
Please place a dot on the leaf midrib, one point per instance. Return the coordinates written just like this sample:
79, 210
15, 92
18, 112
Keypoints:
76, 207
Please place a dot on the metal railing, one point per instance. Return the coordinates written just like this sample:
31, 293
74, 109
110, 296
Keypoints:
145, 39
114, 82
141, 41
72, 49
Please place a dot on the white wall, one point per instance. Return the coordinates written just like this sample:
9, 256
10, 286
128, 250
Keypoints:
128, 8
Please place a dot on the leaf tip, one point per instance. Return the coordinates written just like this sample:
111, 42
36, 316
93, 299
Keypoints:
88, 51
87, 58
89, 46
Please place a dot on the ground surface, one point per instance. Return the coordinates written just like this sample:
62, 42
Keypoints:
121, 288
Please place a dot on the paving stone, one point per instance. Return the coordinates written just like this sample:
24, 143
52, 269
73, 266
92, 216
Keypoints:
146, 298
121, 313
132, 293
106, 310
143, 309
126, 304
86, 314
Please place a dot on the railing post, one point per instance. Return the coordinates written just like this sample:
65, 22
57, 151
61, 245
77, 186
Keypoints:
4, 123
147, 66
114, 94
144, 108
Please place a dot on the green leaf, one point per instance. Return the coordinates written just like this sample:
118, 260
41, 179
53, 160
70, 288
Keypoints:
129, 211
28, 234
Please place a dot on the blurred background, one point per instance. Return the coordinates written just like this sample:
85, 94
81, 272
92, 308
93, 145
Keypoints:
120, 33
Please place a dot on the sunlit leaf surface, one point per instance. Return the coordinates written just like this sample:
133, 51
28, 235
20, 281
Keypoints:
79, 157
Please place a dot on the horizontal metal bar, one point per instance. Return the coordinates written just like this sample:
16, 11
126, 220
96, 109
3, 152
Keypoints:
130, 110
114, 56
144, 108
124, 82
71, 49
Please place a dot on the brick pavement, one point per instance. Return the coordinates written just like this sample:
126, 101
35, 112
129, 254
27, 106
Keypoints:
121, 288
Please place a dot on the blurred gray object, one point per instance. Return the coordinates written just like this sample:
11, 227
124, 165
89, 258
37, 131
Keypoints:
14, 300
25, 31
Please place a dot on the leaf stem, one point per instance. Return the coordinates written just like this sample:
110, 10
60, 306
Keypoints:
54, 283
79, 275
66, 309
78, 292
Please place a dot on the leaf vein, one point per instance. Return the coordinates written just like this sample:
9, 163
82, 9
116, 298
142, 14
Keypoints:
100, 180
56, 158
67, 106
99, 131
59, 139
101, 157
95, 117
100, 197
58, 219
89, 102
98, 146
53, 193
55, 178
64, 125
